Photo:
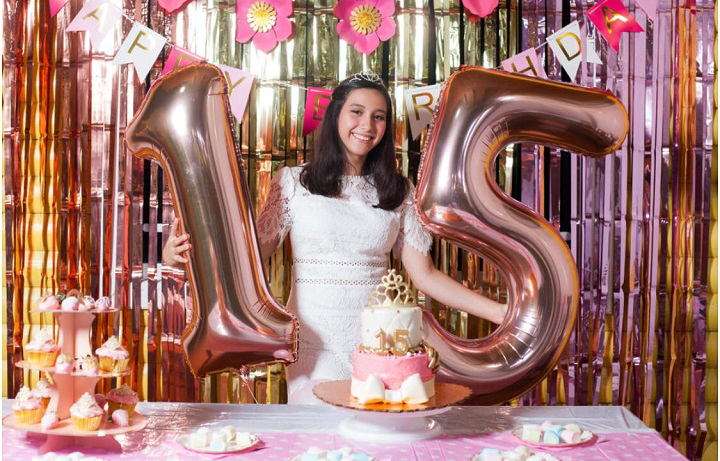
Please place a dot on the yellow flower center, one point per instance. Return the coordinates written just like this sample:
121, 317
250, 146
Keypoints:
261, 16
365, 19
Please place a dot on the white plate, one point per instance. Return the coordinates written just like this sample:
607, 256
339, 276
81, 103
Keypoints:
518, 433
255, 442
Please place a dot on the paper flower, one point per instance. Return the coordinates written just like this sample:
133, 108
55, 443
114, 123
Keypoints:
365, 23
480, 8
266, 22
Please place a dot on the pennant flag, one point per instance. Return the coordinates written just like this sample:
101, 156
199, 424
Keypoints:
419, 106
55, 6
526, 63
239, 86
315, 105
612, 19
141, 47
568, 48
97, 17
649, 7
178, 58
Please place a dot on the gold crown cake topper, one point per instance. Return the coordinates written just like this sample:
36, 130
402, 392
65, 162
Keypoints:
392, 291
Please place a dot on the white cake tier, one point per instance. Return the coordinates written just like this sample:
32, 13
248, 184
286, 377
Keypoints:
390, 320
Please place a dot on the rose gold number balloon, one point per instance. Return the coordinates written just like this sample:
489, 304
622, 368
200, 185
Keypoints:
479, 113
184, 124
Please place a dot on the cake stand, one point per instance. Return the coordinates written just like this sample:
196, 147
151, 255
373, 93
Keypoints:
390, 423
69, 387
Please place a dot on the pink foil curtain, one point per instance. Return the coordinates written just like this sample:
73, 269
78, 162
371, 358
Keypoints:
81, 212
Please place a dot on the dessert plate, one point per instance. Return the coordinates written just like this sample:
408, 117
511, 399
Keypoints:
518, 432
255, 443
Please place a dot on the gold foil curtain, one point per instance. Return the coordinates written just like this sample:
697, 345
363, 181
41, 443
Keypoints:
642, 223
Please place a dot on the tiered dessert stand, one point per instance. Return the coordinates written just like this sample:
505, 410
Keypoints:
390, 423
69, 387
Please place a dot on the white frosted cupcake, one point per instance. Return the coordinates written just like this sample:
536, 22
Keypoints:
42, 351
44, 391
86, 413
113, 357
27, 408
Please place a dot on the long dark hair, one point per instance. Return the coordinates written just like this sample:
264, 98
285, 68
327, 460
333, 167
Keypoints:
323, 174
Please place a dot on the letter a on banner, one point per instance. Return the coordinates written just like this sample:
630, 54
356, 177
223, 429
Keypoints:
568, 45
419, 106
97, 17
141, 47
315, 105
239, 86
526, 63
612, 19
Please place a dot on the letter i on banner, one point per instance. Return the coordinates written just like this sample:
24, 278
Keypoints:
178, 58
419, 106
141, 47
612, 19
568, 47
97, 17
526, 63
315, 105
239, 86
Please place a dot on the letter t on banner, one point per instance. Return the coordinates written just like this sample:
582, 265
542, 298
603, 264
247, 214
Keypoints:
419, 106
612, 19
141, 47
526, 63
315, 105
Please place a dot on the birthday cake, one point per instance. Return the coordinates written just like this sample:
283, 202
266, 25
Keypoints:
393, 364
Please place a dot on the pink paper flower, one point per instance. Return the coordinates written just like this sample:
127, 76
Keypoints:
480, 8
266, 22
365, 23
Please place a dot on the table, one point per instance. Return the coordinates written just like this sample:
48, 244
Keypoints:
290, 429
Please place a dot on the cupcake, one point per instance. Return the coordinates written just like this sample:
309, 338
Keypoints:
70, 303
89, 365
42, 351
86, 413
103, 304
86, 303
44, 391
28, 409
113, 357
122, 398
65, 364
49, 303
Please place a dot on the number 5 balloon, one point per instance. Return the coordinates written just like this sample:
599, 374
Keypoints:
478, 114
184, 124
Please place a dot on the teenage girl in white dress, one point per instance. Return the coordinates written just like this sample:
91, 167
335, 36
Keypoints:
344, 211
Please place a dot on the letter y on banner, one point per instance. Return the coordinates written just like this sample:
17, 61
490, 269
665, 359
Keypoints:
141, 47
239, 86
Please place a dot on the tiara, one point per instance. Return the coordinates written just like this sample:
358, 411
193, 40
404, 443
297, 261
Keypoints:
368, 76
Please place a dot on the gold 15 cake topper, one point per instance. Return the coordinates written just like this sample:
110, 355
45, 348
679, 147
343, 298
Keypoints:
392, 292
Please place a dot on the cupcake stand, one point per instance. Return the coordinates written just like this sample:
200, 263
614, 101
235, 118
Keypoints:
390, 423
75, 341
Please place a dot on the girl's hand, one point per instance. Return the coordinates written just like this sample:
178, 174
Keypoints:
174, 252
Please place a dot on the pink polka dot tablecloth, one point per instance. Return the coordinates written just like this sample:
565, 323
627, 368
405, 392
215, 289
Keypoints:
283, 446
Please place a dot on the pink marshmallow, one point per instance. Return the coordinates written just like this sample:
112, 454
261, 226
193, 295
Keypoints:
121, 418
49, 420
570, 436
69, 304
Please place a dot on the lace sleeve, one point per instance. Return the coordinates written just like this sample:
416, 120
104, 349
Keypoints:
275, 219
411, 230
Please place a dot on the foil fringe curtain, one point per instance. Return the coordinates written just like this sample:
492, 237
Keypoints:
80, 212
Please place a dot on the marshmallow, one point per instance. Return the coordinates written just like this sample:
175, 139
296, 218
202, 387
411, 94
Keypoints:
551, 438
121, 418
569, 436
573, 427
530, 433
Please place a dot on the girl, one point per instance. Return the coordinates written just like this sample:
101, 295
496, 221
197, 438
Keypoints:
344, 211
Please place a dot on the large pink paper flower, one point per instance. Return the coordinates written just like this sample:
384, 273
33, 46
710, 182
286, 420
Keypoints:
266, 22
364, 23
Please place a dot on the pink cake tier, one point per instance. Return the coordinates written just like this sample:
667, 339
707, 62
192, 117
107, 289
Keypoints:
405, 378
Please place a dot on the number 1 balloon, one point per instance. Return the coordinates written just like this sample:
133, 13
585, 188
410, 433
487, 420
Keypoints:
479, 113
184, 124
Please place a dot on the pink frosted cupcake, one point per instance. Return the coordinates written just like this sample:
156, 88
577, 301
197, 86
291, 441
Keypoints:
44, 391
27, 408
103, 304
42, 351
49, 303
86, 413
65, 364
70, 303
89, 365
86, 303
122, 398
113, 357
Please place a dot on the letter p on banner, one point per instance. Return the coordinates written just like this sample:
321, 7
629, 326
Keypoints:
141, 47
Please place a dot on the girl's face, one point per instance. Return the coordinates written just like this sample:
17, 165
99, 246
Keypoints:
362, 121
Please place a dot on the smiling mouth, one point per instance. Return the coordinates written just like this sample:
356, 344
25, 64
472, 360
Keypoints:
362, 137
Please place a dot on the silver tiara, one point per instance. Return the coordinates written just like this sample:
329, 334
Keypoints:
369, 76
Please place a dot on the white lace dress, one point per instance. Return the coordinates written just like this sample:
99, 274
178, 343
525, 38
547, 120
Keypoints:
340, 248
